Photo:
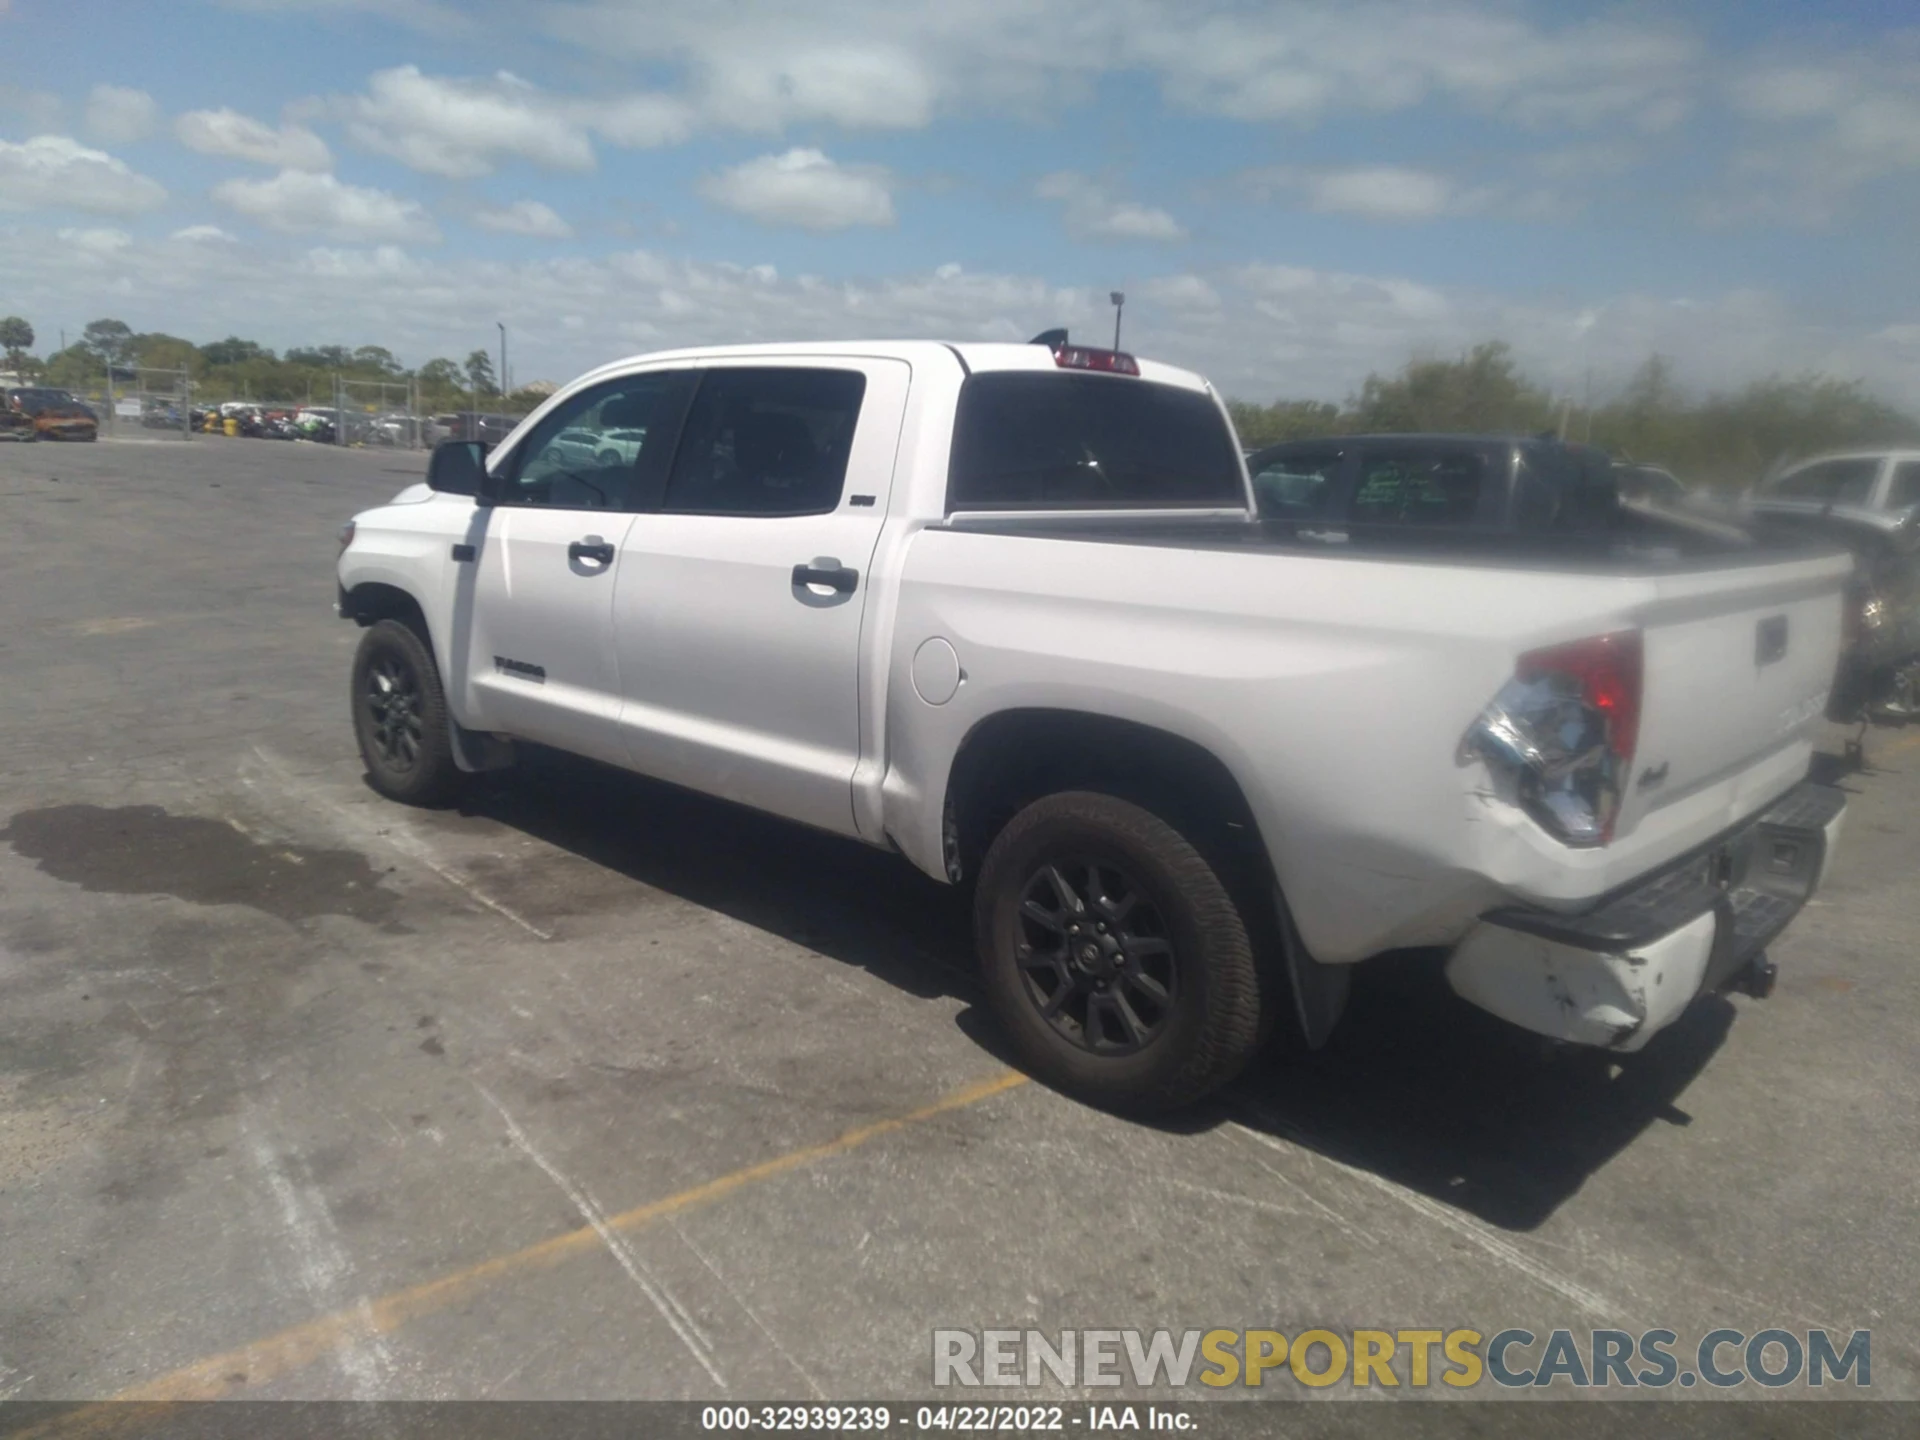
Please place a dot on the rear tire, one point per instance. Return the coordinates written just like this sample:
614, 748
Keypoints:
400, 716
1114, 956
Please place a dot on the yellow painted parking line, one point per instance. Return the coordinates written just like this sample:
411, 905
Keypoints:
112, 625
293, 1349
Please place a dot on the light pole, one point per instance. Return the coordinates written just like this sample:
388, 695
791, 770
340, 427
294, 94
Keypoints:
503, 362
1119, 303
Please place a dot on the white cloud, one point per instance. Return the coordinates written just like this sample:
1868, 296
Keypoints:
119, 116
803, 188
1381, 192
1257, 331
300, 202
53, 172
96, 244
851, 82
205, 235
463, 128
1180, 293
639, 122
227, 132
1822, 128
1091, 212
767, 64
525, 217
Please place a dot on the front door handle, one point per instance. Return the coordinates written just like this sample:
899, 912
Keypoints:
591, 548
830, 573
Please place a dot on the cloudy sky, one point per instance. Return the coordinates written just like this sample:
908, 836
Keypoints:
1289, 194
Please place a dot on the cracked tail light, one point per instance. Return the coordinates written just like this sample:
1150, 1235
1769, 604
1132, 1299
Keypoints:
1559, 737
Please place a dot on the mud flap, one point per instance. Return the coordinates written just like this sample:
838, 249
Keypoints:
1319, 991
475, 751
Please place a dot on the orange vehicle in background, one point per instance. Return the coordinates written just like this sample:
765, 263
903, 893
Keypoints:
55, 414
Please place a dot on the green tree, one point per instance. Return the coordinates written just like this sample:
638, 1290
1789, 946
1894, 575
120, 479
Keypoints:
233, 351
376, 358
160, 351
440, 374
16, 338
1482, 390
1283, 420
109, 341
479, 370
74, 368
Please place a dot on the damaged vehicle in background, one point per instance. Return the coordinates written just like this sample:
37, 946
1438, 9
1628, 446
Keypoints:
1868, 501
56, 414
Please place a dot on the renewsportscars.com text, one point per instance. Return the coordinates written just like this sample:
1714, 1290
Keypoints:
1461, 1359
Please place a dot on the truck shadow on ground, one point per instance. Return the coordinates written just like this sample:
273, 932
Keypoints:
1422, 1089
1415, 1085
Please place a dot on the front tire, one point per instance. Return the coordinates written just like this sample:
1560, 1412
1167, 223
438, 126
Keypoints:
400, 716
1114, 956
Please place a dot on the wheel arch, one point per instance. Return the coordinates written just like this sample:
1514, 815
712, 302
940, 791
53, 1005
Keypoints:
374, 600
1013, 757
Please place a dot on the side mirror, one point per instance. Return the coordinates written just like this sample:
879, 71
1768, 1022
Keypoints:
458, 467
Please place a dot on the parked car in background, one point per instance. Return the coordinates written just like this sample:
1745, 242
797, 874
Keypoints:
597, 447
1650, 484
1869, 501
1010, 611
488, 429
56, 414
1463, 485
15, 423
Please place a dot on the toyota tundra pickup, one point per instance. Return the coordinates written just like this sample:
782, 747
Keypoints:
1012, 612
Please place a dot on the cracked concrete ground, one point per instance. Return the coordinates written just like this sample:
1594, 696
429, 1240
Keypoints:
590, 1088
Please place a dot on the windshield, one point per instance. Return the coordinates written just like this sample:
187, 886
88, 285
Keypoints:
1026, 440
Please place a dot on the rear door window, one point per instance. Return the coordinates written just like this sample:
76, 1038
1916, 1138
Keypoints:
766, 442
1045, 440
1419, 487
1837, 482
1296, 486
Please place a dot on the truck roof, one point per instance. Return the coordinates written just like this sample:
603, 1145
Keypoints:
973, 355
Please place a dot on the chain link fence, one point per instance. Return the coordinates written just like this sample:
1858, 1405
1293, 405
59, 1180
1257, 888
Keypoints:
155, 404
379, 413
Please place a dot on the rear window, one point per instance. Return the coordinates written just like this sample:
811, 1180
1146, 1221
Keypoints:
1295, 486
1023, 440
1420, 488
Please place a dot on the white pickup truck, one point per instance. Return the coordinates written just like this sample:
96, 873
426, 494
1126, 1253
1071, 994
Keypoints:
1010, 611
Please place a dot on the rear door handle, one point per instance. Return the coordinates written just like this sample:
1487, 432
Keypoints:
830, 573
591, 548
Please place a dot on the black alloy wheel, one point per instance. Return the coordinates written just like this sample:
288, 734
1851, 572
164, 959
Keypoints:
1096, 956
400, 716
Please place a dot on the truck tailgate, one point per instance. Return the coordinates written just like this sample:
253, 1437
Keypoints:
1738, 663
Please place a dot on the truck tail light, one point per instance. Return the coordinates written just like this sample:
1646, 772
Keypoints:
346, 536
1561, 734
1082, 357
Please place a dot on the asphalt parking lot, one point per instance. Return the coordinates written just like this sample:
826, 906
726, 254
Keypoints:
589, 1088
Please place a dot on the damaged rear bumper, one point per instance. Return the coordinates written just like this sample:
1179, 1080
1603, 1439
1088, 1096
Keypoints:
1621, 972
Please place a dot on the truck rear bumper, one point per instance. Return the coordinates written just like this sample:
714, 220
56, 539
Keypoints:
1616, 975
